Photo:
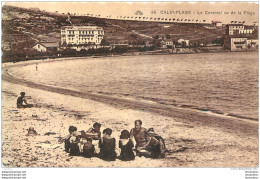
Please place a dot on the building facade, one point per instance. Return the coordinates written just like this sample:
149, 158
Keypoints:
46, 46
184, 42
240, 37
239, 28
81, 35
236, 44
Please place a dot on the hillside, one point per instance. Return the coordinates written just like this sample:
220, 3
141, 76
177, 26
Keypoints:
27, 26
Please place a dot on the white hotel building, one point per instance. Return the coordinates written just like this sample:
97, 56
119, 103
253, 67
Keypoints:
81, 35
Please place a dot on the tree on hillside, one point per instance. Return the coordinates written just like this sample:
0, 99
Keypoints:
156, 37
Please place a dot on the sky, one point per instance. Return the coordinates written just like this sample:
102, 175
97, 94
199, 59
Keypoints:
222, 11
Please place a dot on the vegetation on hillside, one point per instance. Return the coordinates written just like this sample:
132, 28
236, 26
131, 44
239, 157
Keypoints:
22, 28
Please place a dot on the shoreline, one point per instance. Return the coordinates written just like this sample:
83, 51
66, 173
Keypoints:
186, 114
191, 140
96, 96
120, 55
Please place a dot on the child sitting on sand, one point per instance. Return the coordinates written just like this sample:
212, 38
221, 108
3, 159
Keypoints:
89, 149
31, 131
126, 146
68, 140
94, 132
22, 103
74, 147
107, 146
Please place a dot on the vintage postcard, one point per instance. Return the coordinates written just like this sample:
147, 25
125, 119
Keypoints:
130, 84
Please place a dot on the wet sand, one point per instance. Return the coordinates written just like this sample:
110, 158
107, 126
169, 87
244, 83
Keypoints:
193, 139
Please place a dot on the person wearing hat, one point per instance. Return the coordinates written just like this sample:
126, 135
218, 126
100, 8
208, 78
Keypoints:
22, 103
156, 144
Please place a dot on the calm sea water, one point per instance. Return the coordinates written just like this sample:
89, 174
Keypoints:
219, 82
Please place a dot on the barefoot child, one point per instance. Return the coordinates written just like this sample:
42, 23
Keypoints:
107, 146
126, 146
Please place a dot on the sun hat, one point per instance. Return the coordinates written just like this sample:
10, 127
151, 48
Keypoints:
150, 131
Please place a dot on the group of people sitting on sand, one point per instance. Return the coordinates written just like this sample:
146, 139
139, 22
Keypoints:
148, 143
87, 143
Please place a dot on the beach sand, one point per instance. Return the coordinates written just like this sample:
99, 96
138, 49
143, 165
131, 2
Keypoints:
190, 143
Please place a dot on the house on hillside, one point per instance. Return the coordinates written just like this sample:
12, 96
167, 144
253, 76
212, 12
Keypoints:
163, 44
235, 29
46, 46
183, 42
217, 23
169, 44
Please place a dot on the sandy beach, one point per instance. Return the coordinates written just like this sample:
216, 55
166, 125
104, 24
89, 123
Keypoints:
199, 140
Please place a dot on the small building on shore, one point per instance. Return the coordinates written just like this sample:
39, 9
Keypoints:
183, 42
240, 43
235, 43
169, 43
240, 37
47, 46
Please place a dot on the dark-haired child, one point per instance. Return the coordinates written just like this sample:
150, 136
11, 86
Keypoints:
107, 146
71, 141
21, 101
74, 147
89, 149
94, 132
31, 131
126, 146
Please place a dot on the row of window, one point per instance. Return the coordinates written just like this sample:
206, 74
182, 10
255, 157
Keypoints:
71, 39
86, 32
245, 31
237, 27
238, 39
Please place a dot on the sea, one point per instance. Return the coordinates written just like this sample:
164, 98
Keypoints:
222, 83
